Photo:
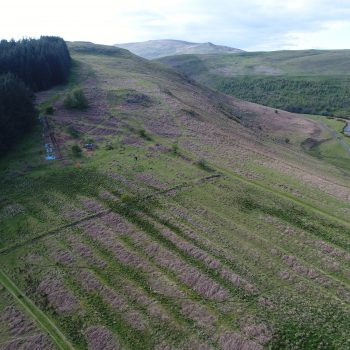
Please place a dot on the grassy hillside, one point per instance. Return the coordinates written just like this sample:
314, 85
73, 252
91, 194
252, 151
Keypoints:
153, 49
310, 81
197, 221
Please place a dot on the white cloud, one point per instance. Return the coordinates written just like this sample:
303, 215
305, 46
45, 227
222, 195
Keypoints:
333, 35
248, 24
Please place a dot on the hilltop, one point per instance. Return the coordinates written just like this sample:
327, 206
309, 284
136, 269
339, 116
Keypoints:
307, 81
194, 220
153, 49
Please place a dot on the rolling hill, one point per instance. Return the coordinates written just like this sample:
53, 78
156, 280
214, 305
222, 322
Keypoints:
194, 221
309, 81
153, 49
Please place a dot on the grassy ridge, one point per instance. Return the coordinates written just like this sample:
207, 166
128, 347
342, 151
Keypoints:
159, 48
309, 81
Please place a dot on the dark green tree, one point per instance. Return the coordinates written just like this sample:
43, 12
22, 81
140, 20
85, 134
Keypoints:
17, 111
27, 65
40, 63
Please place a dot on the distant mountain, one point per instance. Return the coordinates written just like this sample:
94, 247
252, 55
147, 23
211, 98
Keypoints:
153, 49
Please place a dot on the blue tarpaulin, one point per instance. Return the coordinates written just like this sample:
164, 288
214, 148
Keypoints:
49, 152
347, 129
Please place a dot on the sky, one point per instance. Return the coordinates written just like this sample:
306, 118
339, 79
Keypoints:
252, 25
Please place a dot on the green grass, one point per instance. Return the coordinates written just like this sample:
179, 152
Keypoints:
229, 199
335, 147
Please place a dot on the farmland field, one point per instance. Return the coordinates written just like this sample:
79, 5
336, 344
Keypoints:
198, 221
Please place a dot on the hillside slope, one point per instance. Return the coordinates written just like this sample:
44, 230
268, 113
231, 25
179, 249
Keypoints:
198, 221
309, 81
153, 49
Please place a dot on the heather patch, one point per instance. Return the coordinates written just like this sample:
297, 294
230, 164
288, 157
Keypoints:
11, 211
100, 338
198, 313
59, 254
85, 252
74, 213
187, 274
135, 319
207, 259
16, 323
91, 205
116, 223
235, 341
257, 331
36, 341
58, 296
162, 285
150, 180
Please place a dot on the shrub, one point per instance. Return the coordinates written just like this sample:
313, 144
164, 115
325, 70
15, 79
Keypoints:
76, 150
204, 165
73, 132
127, 200
144, 135
175, 149
17, 111
76, 100
287, 140
39, 63
49, 110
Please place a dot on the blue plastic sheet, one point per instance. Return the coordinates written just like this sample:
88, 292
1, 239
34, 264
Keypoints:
49, 152
347, 129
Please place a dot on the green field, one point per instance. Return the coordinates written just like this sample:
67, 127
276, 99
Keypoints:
310, 81
335, 146
192, 224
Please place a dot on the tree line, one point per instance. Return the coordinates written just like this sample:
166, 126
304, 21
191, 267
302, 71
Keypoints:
40, 63
312, 95
27, 66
